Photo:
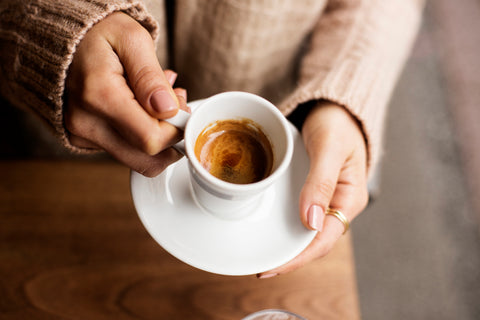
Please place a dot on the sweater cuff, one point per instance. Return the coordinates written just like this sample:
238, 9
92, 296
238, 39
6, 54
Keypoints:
41, 38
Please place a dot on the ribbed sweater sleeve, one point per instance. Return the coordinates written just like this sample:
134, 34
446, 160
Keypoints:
38, 39
355, 56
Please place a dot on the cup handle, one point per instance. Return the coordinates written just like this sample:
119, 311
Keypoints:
180, 121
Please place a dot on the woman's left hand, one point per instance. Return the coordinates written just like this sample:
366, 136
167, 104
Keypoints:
337, 179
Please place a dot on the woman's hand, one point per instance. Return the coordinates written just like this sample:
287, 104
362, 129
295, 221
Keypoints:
116, 92
337, 179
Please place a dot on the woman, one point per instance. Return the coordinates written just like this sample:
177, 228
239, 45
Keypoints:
102, 74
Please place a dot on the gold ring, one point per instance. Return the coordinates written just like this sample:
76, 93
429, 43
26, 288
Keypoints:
340, 216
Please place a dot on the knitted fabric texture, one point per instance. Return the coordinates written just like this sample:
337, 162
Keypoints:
38, 41
291, 52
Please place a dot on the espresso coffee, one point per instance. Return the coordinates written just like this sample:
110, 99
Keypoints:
235, 151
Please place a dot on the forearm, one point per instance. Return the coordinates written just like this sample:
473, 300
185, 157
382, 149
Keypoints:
39, 39
355, 56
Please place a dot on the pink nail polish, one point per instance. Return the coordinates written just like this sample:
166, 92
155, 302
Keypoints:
171, 77
314, 218
162, 102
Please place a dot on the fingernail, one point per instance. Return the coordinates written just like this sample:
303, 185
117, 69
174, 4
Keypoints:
162, 102
314, 220
171, 77
182, 93
267, 275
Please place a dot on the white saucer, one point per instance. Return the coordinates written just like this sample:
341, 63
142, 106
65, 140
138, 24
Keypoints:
266, 239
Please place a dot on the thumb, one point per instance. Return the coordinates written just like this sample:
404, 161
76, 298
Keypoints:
319, 188
136, 50
336, 179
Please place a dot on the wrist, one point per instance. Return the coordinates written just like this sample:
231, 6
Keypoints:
329, 120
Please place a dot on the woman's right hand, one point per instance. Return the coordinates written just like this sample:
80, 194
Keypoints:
116, 93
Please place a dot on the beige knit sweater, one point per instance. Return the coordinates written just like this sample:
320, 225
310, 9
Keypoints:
289, 51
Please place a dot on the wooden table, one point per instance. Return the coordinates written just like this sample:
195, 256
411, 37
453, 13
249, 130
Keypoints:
73, 247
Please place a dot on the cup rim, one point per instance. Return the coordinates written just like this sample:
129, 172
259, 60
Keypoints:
229, 186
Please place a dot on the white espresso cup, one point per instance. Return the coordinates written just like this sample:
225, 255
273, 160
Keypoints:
225, 199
